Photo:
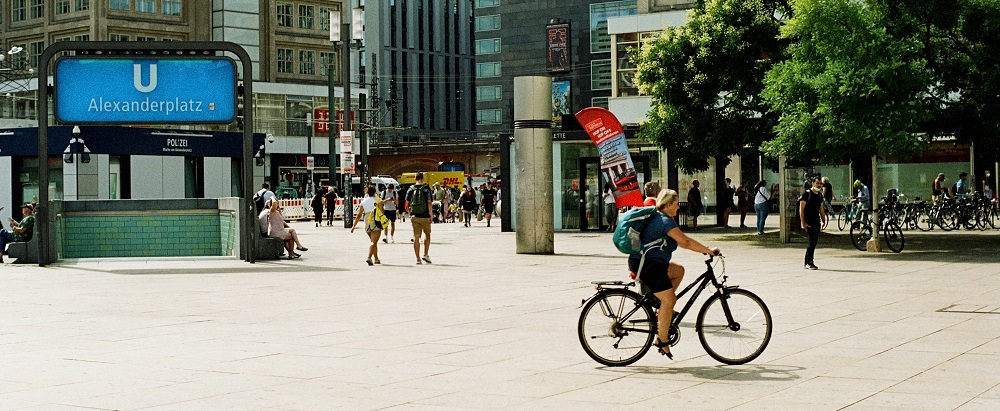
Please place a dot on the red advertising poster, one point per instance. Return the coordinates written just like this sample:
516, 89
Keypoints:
616, 164
558, 45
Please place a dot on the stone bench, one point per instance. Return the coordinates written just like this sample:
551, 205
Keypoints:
268, 248
25, 252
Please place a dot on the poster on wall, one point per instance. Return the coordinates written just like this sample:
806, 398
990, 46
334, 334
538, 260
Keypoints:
560, 100
608, 135
558, 44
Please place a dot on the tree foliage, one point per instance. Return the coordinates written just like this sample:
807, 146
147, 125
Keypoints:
705, 80
850, 88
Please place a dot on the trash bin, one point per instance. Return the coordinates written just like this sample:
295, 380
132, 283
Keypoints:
682, 214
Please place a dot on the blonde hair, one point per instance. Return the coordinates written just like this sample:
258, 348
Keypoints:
667, 197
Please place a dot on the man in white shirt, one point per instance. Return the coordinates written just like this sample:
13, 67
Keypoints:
263, 196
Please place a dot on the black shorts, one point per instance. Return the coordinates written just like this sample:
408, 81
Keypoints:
391, 215
488, 208
653, 275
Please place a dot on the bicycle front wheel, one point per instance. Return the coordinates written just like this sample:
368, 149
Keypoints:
842, 219
609, 334
861, 232
734, 326
894, 237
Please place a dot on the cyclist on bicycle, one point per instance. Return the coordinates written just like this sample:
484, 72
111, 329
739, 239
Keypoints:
662, 276
862, 199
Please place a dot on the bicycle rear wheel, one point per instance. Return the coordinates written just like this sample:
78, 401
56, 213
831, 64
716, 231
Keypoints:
925, 221
738, 341
861, 232
893, 235
609, 338
842, 219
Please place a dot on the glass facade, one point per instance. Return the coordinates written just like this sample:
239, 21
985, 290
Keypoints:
600, 40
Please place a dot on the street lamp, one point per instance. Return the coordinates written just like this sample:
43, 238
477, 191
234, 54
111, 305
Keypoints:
344, 36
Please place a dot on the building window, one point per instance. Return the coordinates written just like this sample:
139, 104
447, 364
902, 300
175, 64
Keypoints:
487, 46
172, 7
601, 102
327, 61
306, 18
488, 93
324, 19
625, 69
37, 10
490, 116
145, 6
34, 51
81, 37
118, 37
284, 15
487, 23
600, 74
490, 69
82, 5
487, 3
285, 61
307, 62
600, 40
19, 10
62, 6
144, 38
120, 4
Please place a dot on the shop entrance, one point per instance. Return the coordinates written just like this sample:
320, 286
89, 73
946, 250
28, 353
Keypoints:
593, 213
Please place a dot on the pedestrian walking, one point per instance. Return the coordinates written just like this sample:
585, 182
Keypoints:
761, 204
694, 203
418, 203
743, 202
390, 203
330, 198
489, 203
468, 202
727, 192
369, 206
610, 206
317, 206
813, 218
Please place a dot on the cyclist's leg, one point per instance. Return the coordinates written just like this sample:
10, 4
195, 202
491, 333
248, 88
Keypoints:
668, 298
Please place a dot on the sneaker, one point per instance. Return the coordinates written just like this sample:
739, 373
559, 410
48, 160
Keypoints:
427, 259
811, 266
377, 261
385, 240
419, 262
392, 239
369, 261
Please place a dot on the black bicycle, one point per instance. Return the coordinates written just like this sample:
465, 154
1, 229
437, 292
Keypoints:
617, 325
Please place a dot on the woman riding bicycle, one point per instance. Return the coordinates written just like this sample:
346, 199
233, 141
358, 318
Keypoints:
659, 274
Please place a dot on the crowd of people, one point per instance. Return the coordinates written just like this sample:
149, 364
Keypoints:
379, 211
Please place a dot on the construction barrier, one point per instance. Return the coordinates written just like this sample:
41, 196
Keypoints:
299, 209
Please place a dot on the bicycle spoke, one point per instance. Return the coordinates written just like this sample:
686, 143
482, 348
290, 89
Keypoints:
610, 335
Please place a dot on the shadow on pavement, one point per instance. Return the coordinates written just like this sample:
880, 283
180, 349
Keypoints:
753, 372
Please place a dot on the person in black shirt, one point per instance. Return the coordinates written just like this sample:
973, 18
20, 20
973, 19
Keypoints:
694, 203
489, 202
813, 218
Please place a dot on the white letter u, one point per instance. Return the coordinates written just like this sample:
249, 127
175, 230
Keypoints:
137, 78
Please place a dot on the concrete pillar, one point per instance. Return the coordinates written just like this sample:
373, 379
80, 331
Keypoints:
533, 165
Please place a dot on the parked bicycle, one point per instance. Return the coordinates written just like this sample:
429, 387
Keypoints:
617, 325
850, 213
891, 232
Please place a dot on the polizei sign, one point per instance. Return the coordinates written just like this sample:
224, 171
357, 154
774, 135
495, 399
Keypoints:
117, 90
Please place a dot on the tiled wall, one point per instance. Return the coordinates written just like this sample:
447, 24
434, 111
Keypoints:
147, 235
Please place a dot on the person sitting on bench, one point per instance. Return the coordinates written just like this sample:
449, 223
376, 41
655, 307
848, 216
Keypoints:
19, 231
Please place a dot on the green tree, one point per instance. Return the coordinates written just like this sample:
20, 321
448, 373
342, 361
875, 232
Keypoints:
705, 79
851, 88
960, 40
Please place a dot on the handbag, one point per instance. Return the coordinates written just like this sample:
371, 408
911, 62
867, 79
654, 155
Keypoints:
479, 214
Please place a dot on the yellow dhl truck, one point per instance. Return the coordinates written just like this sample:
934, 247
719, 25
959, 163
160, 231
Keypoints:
445, 178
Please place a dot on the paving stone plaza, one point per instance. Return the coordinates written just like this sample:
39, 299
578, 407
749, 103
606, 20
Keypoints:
485, 328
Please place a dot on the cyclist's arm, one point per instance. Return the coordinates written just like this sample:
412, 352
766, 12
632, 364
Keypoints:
689, 243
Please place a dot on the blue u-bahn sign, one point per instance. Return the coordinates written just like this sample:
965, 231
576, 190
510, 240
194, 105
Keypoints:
126, 90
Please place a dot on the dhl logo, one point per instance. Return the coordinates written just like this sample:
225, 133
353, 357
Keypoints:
451, 181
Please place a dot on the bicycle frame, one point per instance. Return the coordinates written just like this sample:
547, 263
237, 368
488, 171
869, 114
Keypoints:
696, 287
